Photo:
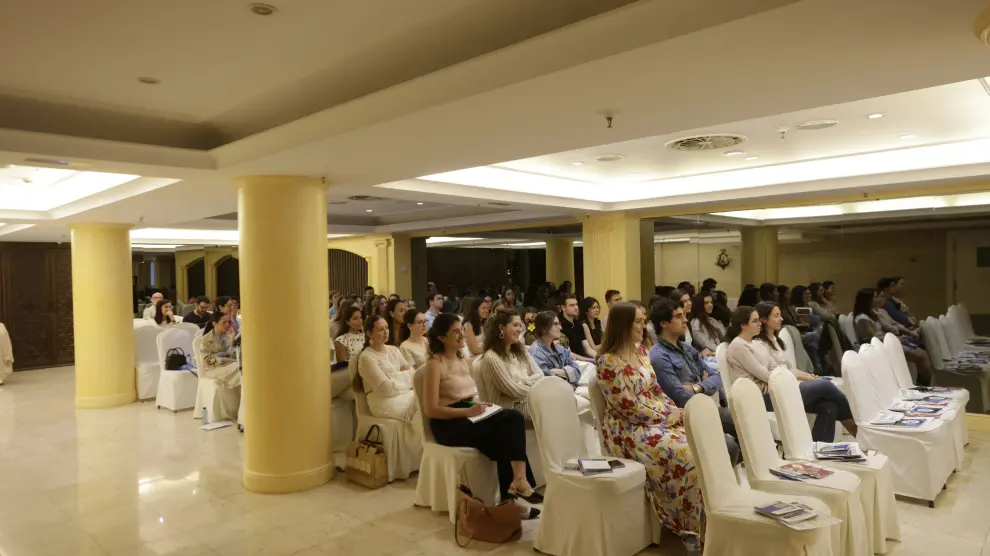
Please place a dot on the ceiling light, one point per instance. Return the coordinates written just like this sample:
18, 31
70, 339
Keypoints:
186, 236
367, 210
262, 9
419, 203
734, 153
440, 239
752, 158
335, 236
815, 125
578, 163
153, 246
36, 188
530, 244
875, 116
149, 80
609, 158
908, 136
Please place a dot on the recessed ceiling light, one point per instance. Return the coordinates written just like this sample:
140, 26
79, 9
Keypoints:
578, 163
752, 158
908, 136
609, 158
367, 210
875, 116
149, 80
336, 202
419, 203
815, 125
734, 153
262, 9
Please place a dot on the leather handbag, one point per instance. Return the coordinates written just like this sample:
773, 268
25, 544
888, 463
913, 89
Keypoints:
175, 359
367, 464
476, 520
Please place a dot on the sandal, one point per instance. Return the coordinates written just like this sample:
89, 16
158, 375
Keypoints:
533, 498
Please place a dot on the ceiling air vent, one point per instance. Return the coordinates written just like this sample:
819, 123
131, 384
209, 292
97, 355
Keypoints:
365, 198
705, 142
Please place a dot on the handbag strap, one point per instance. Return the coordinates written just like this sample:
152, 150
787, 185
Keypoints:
457, 524
378, 436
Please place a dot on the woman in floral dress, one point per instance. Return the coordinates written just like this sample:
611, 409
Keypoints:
643, 424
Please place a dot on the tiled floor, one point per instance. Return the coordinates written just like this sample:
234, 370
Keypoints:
137, 481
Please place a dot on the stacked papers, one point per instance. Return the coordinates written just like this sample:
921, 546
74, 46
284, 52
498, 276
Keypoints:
845, 451
796, 515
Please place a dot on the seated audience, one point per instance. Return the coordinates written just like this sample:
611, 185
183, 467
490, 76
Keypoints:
369, 290
706, 331
750, 296
449, 399
149, 311
611, 298
506, 371
755, 350
395, 314
338, 325
414, 347
868, 322
571, 327
642, 423
529, 321
687, 287
893, 289
384, 374
474, 313
680, 370
683, 299
591, 325
434, 306
510, 300
163, 313
720, 307
350, 340
809, 326
228, 306
218, 356
552, 358
334, 298
768, 292
199, 316
817, 303
377, 305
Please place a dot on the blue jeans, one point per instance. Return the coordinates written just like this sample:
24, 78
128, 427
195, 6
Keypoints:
824, 399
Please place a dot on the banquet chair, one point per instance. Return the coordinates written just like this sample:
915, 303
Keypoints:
147, 368
840, 490
894, 352
876, 480
732, 527
176, 389
401, 440
189, 327
921, 458
847, 324
791, 336
974, 386
961, 315
210, 396
584, 514
443, 468
959, 344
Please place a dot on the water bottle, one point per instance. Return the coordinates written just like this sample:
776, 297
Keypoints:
206, 419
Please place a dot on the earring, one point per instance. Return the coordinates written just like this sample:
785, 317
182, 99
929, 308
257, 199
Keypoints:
501, 335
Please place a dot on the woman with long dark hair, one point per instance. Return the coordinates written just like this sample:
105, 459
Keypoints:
449, 400
414, 345
474, 313
592, 325
705, 330
507, 372
643, 424
821, 397
395, 312
163, 313
385, 375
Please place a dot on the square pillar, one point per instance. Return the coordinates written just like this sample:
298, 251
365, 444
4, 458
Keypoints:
614, 246
560, 261
759, 255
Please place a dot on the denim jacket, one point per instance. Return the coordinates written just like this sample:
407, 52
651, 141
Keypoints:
678, 365
554, 357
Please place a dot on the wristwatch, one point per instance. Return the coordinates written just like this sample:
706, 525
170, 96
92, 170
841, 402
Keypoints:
698, 389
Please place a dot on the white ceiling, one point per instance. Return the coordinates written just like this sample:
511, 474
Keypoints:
667, 68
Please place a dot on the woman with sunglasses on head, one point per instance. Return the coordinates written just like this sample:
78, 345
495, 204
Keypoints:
449, 400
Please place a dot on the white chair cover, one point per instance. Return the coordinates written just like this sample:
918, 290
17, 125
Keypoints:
974, 392
961, 315
957, 416
839, 490
847, 324
138, 323
732, 527
6, 354
592, 515
216, 400
176, 389
147, 368
189, 327
922, 459
789, 352
402, 440
443, 468
876, 480
800, 354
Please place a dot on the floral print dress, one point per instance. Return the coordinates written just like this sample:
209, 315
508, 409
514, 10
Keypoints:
636, 427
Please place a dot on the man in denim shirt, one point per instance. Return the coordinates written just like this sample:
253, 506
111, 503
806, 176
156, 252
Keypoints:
680, 369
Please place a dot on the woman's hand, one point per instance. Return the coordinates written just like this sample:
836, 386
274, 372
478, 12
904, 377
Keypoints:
476, 409
676, 417
560, 373
707, 352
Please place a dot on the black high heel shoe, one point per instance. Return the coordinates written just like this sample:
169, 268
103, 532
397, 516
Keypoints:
533, 498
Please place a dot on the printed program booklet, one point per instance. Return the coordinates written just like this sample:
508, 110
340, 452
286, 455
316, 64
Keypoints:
796, 515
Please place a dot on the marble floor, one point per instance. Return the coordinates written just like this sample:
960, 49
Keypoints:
138, 481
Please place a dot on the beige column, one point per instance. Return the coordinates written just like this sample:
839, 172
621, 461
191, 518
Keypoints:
613, 256
102, 319
759, 255
286, 384
390, 269
560, 261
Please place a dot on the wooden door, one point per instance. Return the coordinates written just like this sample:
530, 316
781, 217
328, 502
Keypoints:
969, 257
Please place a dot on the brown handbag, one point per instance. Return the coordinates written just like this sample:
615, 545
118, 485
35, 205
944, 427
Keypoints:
367, 464
477, 521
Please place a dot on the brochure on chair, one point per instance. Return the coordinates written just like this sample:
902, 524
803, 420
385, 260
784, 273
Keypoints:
844, 451
887, 419
796, 515
809, 470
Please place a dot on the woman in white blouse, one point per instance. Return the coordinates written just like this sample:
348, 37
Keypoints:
507, 371
351, 341
385, 375
414, 347
755, 351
